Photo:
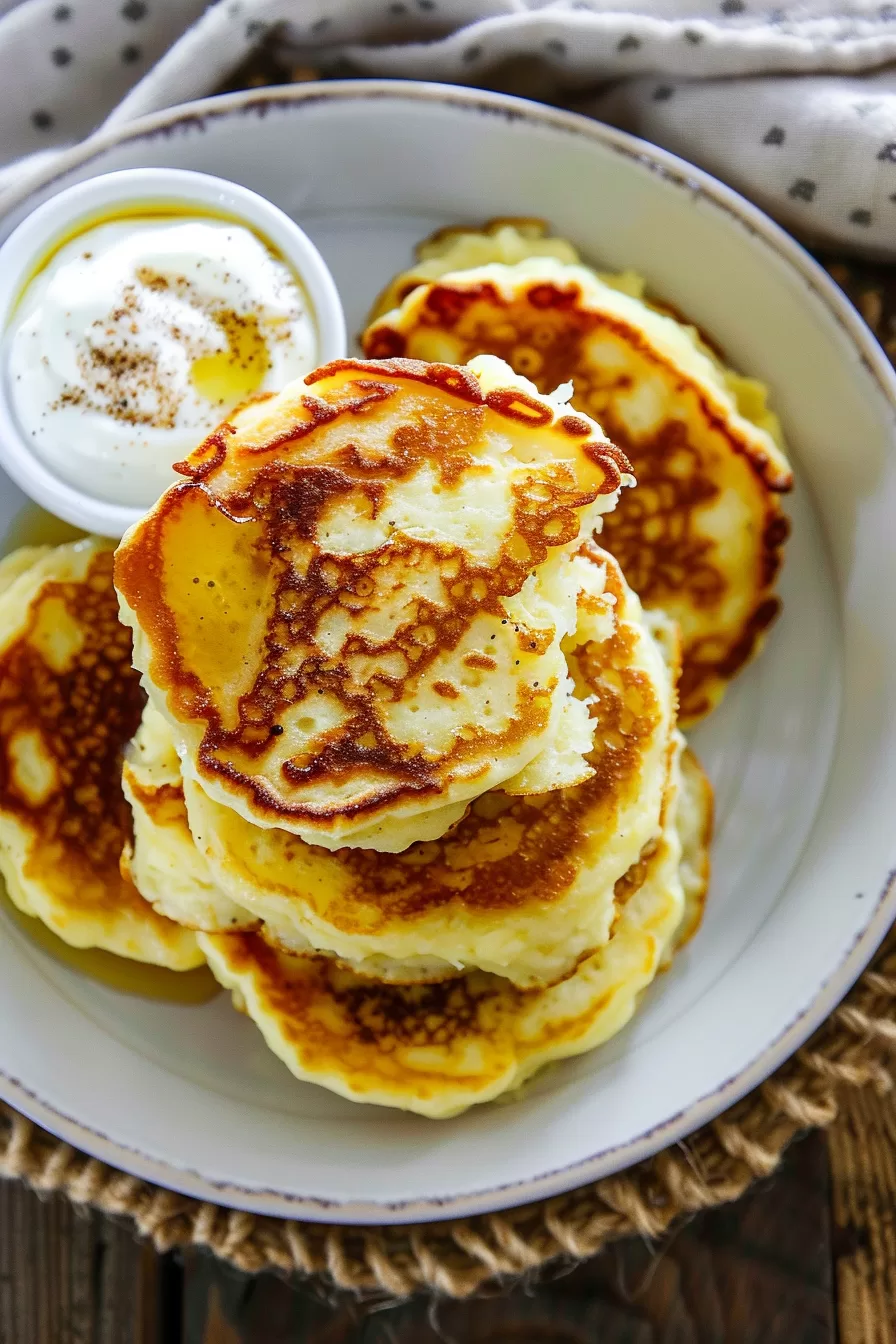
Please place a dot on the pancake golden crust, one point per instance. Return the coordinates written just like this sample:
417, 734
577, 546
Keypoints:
521, 885
693, 456
438, 1048
458, 247
290, 618
69, 700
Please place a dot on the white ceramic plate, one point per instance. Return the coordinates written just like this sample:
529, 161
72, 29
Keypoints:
802, 753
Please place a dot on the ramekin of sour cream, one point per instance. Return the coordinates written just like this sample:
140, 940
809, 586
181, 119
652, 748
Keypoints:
137, 310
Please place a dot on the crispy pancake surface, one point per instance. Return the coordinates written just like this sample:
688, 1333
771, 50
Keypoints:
437, 1049
460, 249
702, 535
164, 863
352, 614
524, 884
69, 700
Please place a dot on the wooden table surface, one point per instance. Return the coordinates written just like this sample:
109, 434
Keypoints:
808, 1257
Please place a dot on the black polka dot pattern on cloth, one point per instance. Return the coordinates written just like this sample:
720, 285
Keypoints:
803, 189
719, 82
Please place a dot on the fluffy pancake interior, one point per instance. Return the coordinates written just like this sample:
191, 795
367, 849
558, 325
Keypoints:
69, 700
701, 536
522, 886
353, 614
438, 1049
163, 862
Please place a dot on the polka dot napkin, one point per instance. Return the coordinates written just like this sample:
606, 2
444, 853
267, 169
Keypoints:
791, 103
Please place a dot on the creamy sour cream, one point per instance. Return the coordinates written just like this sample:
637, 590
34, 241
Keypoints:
139, 336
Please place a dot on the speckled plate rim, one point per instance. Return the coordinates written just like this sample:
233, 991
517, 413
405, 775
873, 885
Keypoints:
882, 911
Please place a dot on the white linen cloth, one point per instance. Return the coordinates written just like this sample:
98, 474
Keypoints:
790, 102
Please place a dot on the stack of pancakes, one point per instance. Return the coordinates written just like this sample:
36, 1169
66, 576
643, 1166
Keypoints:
407, 772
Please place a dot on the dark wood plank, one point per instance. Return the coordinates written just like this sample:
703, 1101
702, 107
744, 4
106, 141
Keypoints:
755, 1272
69, 1277
863, 1172
223, 1306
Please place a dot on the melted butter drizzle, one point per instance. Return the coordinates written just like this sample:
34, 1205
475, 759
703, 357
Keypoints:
127, 977
235, 374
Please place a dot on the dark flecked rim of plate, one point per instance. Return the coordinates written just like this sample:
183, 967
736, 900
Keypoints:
558, 1180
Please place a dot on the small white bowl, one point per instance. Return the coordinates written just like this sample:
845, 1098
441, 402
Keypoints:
99, 199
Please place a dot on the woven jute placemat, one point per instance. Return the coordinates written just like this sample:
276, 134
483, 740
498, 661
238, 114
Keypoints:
855, 1048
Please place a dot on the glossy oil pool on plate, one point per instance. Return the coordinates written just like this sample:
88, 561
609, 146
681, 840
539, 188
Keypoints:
802, 752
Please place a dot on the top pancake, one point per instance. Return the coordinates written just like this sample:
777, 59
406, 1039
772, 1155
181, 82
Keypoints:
69, 700
701, 536
352, 613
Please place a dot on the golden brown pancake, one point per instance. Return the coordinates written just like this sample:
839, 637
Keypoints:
458, 248
352, 614
439, 1048
522, 886
702, 534
69, 700
511, 240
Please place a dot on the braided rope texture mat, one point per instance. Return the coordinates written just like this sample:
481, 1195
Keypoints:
855, 1048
